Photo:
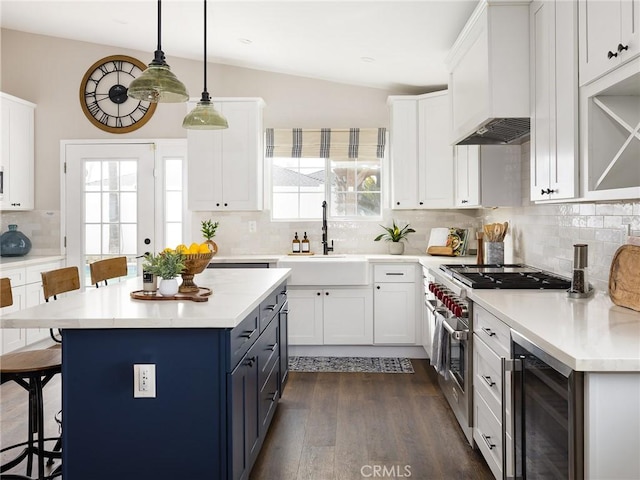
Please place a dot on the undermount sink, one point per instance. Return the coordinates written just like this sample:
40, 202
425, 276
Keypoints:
327, 270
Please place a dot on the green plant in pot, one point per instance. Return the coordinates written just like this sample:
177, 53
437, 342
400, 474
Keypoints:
167, 265
395, 235
208, 229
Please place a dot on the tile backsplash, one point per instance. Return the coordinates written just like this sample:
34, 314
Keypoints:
539, 235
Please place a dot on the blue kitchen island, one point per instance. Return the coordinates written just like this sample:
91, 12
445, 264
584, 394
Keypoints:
220, 367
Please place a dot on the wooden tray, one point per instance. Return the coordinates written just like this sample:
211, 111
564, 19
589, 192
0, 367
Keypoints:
624, 277
202, 295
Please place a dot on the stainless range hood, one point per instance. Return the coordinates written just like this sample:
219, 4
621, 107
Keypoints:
489, 75
500, 131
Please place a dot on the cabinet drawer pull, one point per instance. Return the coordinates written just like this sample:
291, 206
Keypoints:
610, 54
249, 333
274, 396
273, 347
487, 440
250, 361
395, 273
622, 47
488, 380
488, 331
270, 307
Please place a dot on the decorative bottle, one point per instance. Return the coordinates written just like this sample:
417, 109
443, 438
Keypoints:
305, 244
295, 245
14, 243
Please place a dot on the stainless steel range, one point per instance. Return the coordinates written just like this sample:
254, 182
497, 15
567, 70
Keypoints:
450, 316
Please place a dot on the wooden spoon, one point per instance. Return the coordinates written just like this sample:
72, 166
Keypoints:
504, 232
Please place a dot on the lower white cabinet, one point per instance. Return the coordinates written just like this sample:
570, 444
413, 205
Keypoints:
26, 289
330, 316
395, 306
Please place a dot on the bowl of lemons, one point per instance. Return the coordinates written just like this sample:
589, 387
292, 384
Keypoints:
196, 258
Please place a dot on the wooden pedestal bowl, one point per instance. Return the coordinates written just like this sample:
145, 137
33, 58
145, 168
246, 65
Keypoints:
194, 263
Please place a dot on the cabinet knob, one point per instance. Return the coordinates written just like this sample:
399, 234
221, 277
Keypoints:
548, 191
622, 47
217, 204
226, 204
421, 203
378, 287
397, 203
610, 54
318, 293
464, 201
326, 293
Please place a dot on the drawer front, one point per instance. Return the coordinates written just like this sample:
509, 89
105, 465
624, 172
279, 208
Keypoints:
268, 351
394, 273
242, 337
33, 271
268, 399
16, 275
270, 306
491, 330
487, 372
487, 432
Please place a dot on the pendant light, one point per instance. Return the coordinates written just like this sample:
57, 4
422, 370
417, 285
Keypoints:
158, 84
204, 116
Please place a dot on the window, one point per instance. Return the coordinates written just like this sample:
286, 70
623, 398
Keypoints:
343, 167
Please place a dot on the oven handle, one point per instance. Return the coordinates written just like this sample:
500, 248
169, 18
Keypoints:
460, 335
431, 305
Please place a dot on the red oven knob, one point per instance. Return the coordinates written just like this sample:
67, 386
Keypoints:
432, 287
457, 311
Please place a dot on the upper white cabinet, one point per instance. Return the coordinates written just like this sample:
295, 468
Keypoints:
489, 68
488, 176
421, 157
17, 154
609, 35
554, 100
226, 166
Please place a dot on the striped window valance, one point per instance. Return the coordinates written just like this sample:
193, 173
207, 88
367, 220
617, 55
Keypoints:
326, 143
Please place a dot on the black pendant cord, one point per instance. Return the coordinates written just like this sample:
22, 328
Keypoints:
205, 94
158, 56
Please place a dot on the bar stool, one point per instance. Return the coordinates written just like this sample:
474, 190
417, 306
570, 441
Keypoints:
55, 282
103, 270
32, 370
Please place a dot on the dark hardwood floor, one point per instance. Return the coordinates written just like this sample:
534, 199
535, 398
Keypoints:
343, 426
337, 426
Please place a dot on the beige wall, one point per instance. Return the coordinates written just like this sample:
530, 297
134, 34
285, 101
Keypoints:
47, 71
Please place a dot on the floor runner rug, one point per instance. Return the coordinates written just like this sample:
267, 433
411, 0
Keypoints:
350, 364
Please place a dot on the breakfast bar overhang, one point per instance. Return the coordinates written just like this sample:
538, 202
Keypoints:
220, 367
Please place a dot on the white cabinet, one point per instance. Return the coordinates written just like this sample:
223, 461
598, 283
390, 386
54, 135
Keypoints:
330, 316
488, 176
609, 35
554, 100
489, 67
421, 157
226, 166
395, 304
26, 288
491, 343
16, 154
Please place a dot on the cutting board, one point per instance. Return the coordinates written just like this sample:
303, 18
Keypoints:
624, 277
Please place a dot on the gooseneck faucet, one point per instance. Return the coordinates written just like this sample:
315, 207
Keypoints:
325, 236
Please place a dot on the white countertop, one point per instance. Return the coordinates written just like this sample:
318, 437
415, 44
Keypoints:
427, 260
587, 334
236, 292
27, 260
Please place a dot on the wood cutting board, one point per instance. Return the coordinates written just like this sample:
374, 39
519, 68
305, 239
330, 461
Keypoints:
624, 277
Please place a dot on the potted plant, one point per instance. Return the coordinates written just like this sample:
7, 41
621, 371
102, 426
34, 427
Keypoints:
208, 229
166, 265
395, 234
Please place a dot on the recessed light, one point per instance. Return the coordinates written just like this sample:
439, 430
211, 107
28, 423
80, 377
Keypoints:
246, 41
367, 59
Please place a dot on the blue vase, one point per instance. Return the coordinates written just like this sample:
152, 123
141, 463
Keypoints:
14, 243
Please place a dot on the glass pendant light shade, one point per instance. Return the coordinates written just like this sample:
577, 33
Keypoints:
204, 116
158, 84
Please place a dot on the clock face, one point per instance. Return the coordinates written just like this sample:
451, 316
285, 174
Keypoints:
103, 95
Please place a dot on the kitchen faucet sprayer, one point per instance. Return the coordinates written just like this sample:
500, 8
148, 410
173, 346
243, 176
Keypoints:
325, 236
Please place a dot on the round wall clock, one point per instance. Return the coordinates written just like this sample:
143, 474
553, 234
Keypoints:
103, 95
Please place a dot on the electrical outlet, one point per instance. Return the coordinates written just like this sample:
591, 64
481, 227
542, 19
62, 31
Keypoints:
144, 380
252, 226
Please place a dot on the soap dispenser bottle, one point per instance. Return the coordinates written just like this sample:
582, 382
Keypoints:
295, 245
305, 244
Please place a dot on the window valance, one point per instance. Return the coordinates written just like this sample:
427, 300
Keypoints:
338, 144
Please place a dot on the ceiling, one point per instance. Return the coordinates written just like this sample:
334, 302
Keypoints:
384, 44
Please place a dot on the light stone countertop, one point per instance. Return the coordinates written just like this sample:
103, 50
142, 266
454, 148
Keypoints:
236, 292
27, 260
587, 334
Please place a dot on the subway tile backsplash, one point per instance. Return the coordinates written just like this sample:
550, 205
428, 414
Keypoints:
539, 235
